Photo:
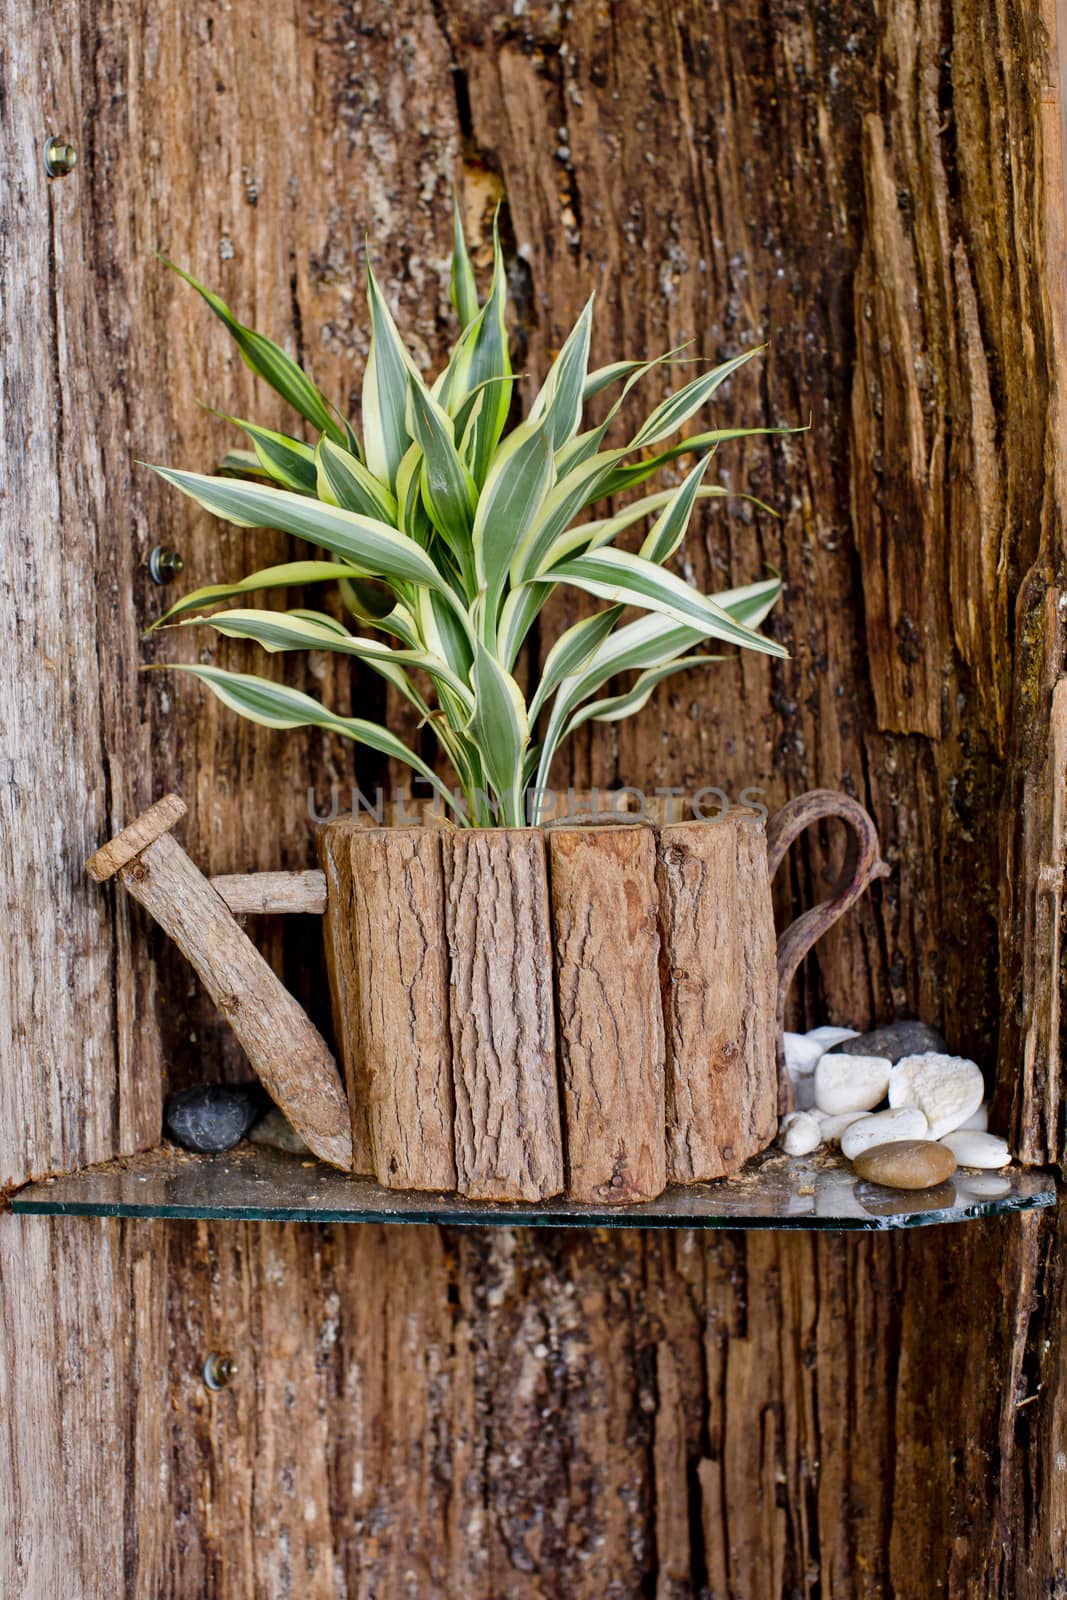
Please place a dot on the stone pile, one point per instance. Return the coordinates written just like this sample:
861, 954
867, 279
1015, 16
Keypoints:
903, 1110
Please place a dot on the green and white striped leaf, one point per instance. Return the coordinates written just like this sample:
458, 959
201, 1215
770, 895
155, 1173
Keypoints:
500, 729
242, 464
566, 498
462, 290
482, 356
628, 476
638, 695
560, 397
604, 530
292, 575
343, 480
302, 630
675, 411
669, 528
627, 579
286, 461
273, 705
518, 482
269, 362
570, 653
448, 489
517, 617
378, 550
385, 390
603, 377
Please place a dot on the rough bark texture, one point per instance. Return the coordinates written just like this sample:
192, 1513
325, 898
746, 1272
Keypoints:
289, 1055
508, 1139
390, 961
876, 188
605, 940
719, 989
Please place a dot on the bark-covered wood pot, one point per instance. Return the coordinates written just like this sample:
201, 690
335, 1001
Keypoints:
593, 1008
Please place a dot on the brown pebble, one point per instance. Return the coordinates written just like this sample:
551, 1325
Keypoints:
906, 1164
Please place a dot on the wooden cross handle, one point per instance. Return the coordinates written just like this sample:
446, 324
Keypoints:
288, 1053
127, 845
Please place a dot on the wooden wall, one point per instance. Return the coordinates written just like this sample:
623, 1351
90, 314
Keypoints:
877, 189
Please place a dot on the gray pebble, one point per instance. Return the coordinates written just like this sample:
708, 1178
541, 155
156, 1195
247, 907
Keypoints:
213, 1116
894, 1040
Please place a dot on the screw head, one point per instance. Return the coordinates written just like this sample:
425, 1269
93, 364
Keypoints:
164, 564
219, 1371
60, 157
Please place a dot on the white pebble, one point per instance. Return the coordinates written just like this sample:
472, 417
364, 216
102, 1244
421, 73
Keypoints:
972, 1148
799, 1133
946, 1089
834, 1126
885, 1127
851, 1083
983, 1185
979, 1119
801, 1053
828, 1035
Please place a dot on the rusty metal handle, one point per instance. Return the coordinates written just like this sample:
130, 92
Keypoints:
863, 863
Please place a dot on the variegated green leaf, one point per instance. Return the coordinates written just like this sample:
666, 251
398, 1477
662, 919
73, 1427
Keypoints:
447, 487
269, 362
604, 530
292, 575
634, 699
604, 377
343, 480
669, 528
517, 617
570, 653
482, 355
461, 286
627, 579
560, 398
517, 484
286, 461
242, 464
273, 705
630, 474
376, 549
566, 498
385, 390
293, 630
501, 731
675, 411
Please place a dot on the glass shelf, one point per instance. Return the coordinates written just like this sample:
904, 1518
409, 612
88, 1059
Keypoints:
253, 1183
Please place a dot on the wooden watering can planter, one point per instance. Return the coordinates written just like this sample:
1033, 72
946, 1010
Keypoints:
589, 1008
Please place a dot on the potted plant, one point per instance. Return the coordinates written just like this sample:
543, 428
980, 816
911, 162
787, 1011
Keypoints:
503, 992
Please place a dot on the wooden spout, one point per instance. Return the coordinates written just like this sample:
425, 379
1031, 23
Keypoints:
288, 1053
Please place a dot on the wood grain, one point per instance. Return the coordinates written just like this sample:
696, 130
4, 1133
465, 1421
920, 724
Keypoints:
605, 935
719, 987
289, 1055
501, 1014
272, 894
447, 1412
389, 962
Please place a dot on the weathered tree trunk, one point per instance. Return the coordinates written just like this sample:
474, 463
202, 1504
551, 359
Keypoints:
875, 188
719, 989
610, 1021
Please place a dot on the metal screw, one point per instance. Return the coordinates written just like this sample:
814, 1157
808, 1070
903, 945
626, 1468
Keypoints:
163, 564
219, 1371
60, 157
